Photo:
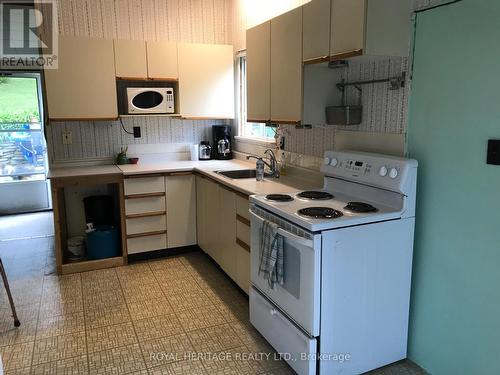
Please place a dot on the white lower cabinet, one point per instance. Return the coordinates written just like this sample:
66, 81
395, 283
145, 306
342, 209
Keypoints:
143, 244
218, 228
227, 231
242, 268
160, 212
181, 210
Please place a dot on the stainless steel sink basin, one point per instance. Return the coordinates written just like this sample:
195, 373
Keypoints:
239, 174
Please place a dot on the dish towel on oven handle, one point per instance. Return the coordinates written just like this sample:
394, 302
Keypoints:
271, 254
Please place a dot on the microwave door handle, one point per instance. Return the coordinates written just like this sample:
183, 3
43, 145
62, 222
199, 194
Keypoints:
290, 236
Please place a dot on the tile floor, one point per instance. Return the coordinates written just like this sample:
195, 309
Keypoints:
145, 318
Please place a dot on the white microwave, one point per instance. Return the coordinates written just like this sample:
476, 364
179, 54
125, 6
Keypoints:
144, 100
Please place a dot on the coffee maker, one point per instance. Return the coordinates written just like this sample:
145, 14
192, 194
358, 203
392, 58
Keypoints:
222, 142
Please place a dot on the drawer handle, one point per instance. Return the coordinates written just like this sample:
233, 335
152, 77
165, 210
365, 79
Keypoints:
273, 312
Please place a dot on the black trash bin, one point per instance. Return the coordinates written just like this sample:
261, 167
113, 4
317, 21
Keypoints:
99, 210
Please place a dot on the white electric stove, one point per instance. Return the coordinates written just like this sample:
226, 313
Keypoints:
343, 307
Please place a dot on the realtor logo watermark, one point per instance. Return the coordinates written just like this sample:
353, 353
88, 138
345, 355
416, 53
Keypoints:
28, 35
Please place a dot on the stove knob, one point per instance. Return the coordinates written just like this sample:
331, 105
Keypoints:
393, 173
334, 162
382, 171
326, 161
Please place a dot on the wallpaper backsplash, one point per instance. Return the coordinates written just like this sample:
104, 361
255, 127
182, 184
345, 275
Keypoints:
203, 21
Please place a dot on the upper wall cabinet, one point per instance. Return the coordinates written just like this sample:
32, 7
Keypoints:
259, 73
130, 59
162, 60
388, 24
286, 67
206, 81
347, 29
138, 59
338, 29
83, 86
316, 30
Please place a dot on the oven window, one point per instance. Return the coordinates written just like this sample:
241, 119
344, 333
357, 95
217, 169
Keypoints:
291, 264
147, 99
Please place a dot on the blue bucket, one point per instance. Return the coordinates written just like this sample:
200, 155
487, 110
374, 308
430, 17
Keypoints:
104, 242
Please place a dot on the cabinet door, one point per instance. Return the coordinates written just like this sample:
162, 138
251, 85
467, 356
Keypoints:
316, 30
201, 218
347, 26
213, 226
243, 268
181, 210
162, 60
286, 67
227, 231
130, 59
388, 27
83, 86
259, 73
206, 81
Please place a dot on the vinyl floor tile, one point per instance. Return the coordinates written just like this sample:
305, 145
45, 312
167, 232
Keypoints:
152, 317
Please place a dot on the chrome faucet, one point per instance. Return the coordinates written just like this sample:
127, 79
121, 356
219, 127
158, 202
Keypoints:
272, 164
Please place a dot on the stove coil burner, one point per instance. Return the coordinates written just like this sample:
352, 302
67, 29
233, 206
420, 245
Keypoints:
315, 195
279, 197
360, 207
320, 212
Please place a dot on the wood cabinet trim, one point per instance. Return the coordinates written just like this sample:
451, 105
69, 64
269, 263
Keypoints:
243, 220
91, 265
145, 175
243, 244
60, 119
285, 122
60, 182
346, 55
258, 120
146, 214
145, 195
133, 78
186, 173
146, 234
316, 60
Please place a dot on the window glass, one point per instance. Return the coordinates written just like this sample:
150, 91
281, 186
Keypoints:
250, 129
22, 144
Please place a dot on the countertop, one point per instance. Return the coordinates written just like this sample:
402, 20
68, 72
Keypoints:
83, 171
208, 168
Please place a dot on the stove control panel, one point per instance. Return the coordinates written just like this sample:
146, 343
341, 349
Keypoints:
383, 171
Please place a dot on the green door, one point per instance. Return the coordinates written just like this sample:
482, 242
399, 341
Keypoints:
454, 110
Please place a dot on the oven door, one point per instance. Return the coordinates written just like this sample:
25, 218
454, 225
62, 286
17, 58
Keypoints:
146, 100
299, 296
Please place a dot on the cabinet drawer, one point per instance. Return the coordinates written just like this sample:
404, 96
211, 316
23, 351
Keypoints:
146, 224
144, 185
144, 205
243, 232
147, 243
242, 207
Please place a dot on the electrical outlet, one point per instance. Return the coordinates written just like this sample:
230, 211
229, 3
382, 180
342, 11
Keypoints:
66, 138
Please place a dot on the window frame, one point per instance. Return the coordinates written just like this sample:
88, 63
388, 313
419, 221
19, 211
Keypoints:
241, 106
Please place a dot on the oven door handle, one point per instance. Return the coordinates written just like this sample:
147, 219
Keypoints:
290, 236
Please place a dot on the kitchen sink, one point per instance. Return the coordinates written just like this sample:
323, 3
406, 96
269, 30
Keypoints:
240, 174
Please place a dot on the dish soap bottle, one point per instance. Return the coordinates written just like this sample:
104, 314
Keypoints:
259, 170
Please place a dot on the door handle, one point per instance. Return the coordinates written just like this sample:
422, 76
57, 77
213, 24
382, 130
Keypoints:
290, 236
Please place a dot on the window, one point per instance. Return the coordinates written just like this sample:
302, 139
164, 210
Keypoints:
249, 129
22, 143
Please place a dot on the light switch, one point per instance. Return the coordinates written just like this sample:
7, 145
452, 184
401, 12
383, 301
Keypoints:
493, 154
